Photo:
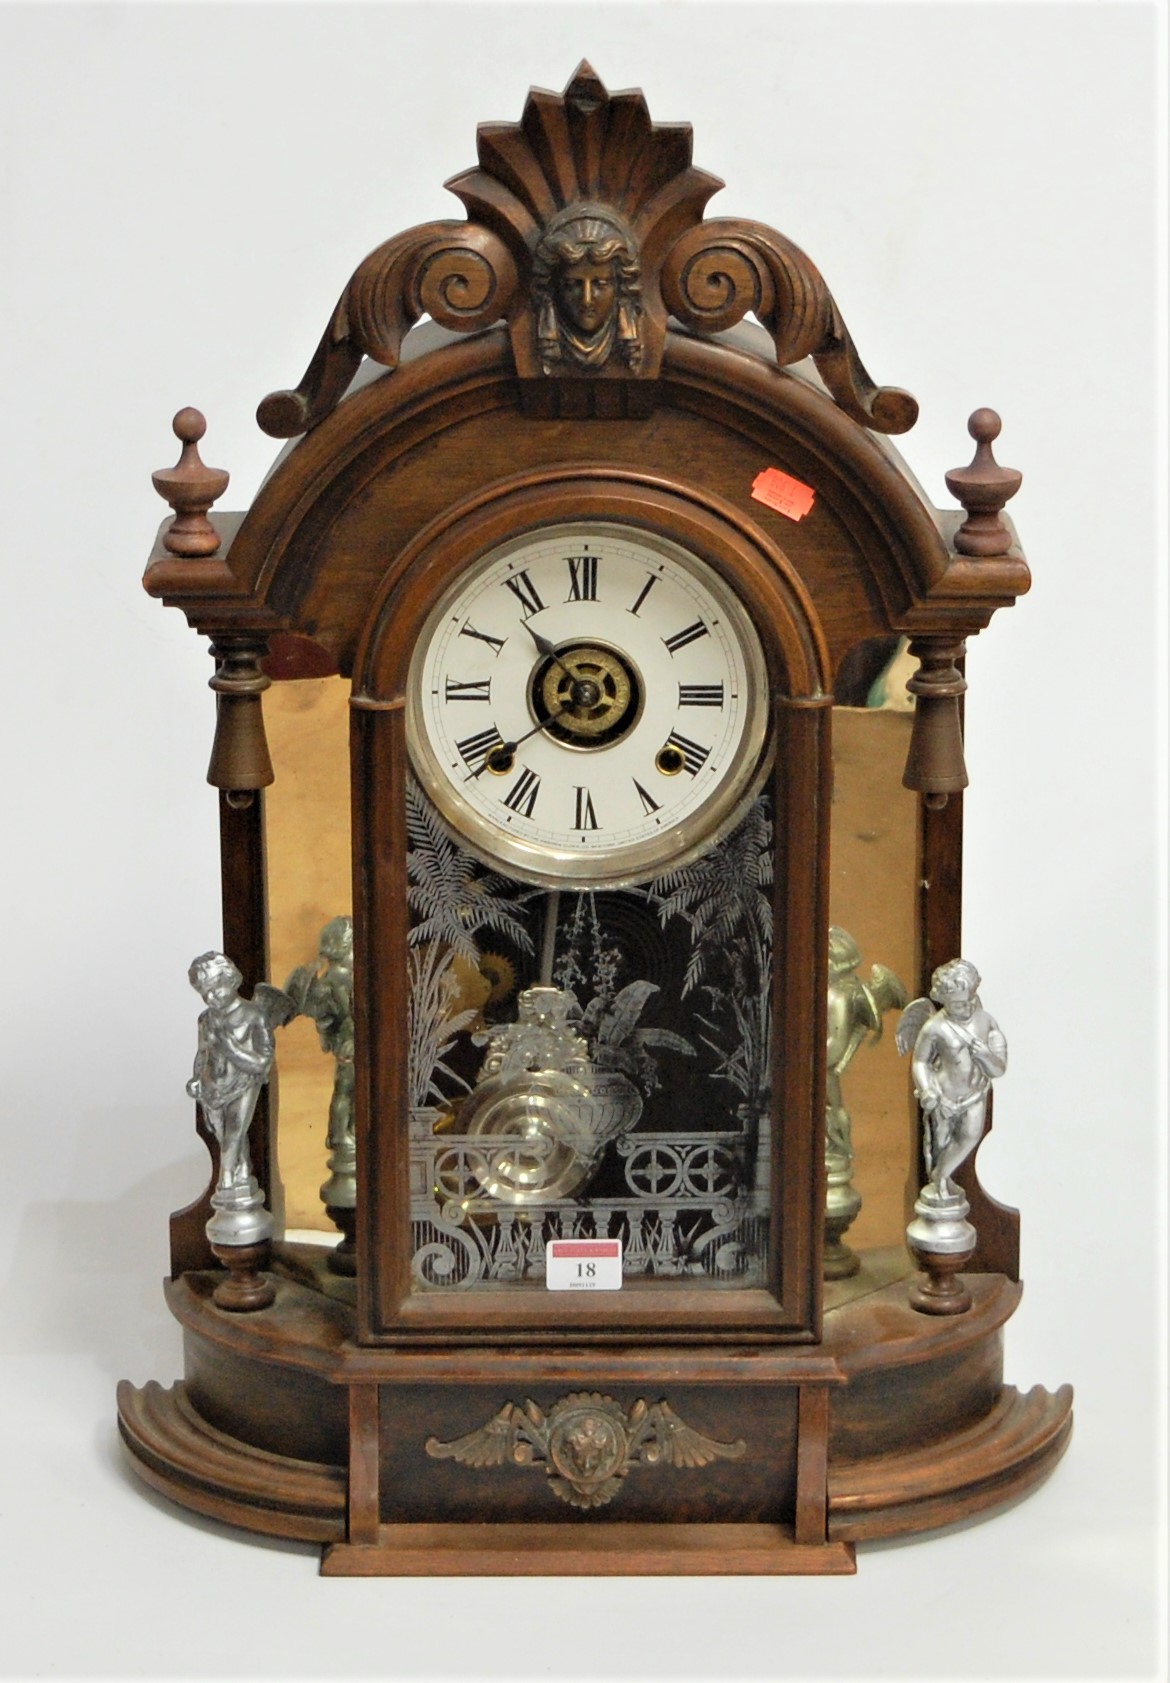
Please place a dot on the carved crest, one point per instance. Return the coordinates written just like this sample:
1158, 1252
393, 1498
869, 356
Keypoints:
584, 233
586, 1444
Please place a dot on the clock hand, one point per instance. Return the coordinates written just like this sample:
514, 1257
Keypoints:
547, 649
584, 692
511, 747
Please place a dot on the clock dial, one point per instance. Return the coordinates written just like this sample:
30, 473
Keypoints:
587, 704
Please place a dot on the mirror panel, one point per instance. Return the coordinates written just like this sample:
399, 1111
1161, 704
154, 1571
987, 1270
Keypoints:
872, 896
307, 832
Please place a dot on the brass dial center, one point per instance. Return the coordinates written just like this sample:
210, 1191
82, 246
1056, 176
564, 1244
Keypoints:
589, 690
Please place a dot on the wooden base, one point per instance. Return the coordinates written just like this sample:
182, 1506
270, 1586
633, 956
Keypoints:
598, 1551
174, 1450
896, 1423
974, 1471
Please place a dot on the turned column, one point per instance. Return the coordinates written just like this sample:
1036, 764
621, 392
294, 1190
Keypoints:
240, 769
934, 763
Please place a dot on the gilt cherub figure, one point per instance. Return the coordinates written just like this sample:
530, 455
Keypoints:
855, 1012
324, 992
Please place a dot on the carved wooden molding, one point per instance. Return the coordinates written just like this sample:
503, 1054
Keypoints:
584, 232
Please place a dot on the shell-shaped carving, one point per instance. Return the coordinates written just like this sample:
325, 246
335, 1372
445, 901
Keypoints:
583, 145
585, 177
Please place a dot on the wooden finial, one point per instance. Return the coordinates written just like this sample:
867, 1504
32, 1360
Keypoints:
983, 488
190, 488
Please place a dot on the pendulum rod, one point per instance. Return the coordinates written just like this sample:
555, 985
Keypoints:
548, 951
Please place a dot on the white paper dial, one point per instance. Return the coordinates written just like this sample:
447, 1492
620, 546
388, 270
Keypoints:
587, 705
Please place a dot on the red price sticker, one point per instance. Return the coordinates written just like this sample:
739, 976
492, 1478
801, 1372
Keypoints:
788, 496
583, 1265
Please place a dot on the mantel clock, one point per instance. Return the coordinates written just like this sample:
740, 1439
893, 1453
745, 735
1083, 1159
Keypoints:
584, 775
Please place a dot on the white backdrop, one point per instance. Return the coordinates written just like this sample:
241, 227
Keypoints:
183, 193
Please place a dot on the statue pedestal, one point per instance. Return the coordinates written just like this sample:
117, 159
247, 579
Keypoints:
245, 1286
240, 1232
842, 1207
941, 1241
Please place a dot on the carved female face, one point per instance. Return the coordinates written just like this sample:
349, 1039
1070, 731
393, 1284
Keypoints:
587, 293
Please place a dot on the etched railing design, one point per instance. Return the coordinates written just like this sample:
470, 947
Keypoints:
685, 1213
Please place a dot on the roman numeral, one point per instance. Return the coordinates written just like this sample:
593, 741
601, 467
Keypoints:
468, 630
700, 695
479, 689
475, 749
689, 634
521, 797
586, 817
524, 591
651, 581
582, 578
693, 755
649, 805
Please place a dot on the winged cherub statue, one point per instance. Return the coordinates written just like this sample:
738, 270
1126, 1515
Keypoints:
324, 992
855, 1011
232, 1063
959, 1050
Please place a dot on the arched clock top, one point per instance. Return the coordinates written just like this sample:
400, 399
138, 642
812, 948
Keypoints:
758, 573
344, 502
585, 234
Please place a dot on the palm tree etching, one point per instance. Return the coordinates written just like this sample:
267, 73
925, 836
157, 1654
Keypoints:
452, 898
725, 898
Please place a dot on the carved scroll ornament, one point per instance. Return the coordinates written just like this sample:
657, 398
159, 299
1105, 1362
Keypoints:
460, 275
586, 1444
584, 231
720, 271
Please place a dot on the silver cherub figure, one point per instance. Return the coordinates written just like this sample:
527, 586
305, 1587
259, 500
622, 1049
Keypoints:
958, 1051
543, 1037
855, 1010
232, 1063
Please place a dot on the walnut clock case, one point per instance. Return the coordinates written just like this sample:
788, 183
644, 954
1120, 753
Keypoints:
572, 613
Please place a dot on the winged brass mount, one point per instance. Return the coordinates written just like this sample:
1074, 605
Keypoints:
586, 1443
584, 233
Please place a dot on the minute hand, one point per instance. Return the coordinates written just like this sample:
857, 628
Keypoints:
511, 747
